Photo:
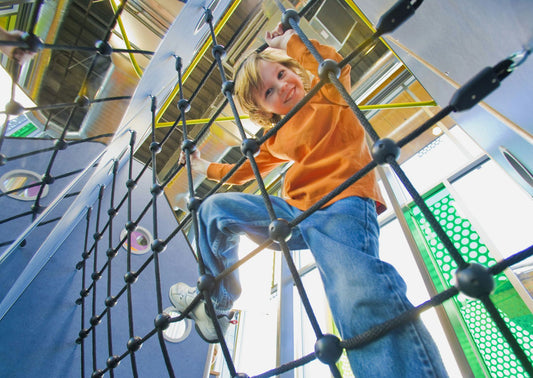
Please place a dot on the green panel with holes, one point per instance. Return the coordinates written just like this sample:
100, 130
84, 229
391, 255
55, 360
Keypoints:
485, 348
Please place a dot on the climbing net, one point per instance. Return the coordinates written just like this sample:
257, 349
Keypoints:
29, 41
472, 279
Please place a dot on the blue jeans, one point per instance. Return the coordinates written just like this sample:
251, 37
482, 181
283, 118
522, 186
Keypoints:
362, 290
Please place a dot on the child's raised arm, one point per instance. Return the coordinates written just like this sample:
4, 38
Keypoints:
18, 54
198, 165
278, 38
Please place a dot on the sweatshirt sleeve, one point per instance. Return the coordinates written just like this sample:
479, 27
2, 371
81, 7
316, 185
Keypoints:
297, 50
265, 162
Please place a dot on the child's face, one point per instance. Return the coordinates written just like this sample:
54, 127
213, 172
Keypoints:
281, 88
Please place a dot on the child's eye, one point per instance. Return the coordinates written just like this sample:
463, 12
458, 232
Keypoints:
281, 73
268, 92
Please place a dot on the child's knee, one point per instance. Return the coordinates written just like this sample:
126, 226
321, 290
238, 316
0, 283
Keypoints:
217, 203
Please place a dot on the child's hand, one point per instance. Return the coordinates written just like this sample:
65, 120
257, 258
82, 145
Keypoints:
278, 38
18, 54
198, 164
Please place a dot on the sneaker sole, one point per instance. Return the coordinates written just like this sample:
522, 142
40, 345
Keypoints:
210, 341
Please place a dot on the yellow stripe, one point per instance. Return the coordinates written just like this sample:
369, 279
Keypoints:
197, 58
43, 58
367, 22
399, 105
136, 67
200, 121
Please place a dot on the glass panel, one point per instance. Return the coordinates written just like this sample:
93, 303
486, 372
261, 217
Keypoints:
440, 159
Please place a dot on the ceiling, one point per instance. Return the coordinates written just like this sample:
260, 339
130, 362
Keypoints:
61, 76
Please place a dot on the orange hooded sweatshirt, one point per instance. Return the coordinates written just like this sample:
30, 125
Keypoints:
324, 139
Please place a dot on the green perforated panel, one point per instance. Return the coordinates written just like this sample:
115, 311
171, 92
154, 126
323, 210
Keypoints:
484, 346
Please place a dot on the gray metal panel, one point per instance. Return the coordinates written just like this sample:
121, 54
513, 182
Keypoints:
447, 42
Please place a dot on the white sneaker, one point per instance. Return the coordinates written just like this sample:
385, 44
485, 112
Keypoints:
181, 295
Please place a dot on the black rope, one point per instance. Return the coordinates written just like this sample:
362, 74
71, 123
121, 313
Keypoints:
95, 275
110, 254
21, 215
157, 246
35, 15
407, 316
80, 103
437, 228
386, 23
40, 183
81, 339
130, 185
36, 205
288, 366
94, 49
511, 260
507, 334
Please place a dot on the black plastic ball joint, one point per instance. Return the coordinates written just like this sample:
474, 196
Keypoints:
112, 362
250, 145
97, 373
288, 15
95, 276
130, 226
34, 43
184, 105
385, 149
227, 88
36, 208
208, 15
48, 179
158, 246
14, 108
134, 344
131, 184
60, 144
103, 48
328, 349
219, 52
130, 278
110, 301
188, 145
156, 190
474, 281
193, 204
279, 230
83, 333
155, 147
326, 67
82, 101
95, 320
162, 321
111, 253
206, 282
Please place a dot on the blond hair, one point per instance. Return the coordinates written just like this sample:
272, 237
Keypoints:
248, 81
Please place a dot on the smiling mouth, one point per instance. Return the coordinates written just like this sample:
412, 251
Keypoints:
290, 94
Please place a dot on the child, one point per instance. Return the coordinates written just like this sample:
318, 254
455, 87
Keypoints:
326, 144
18, 54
